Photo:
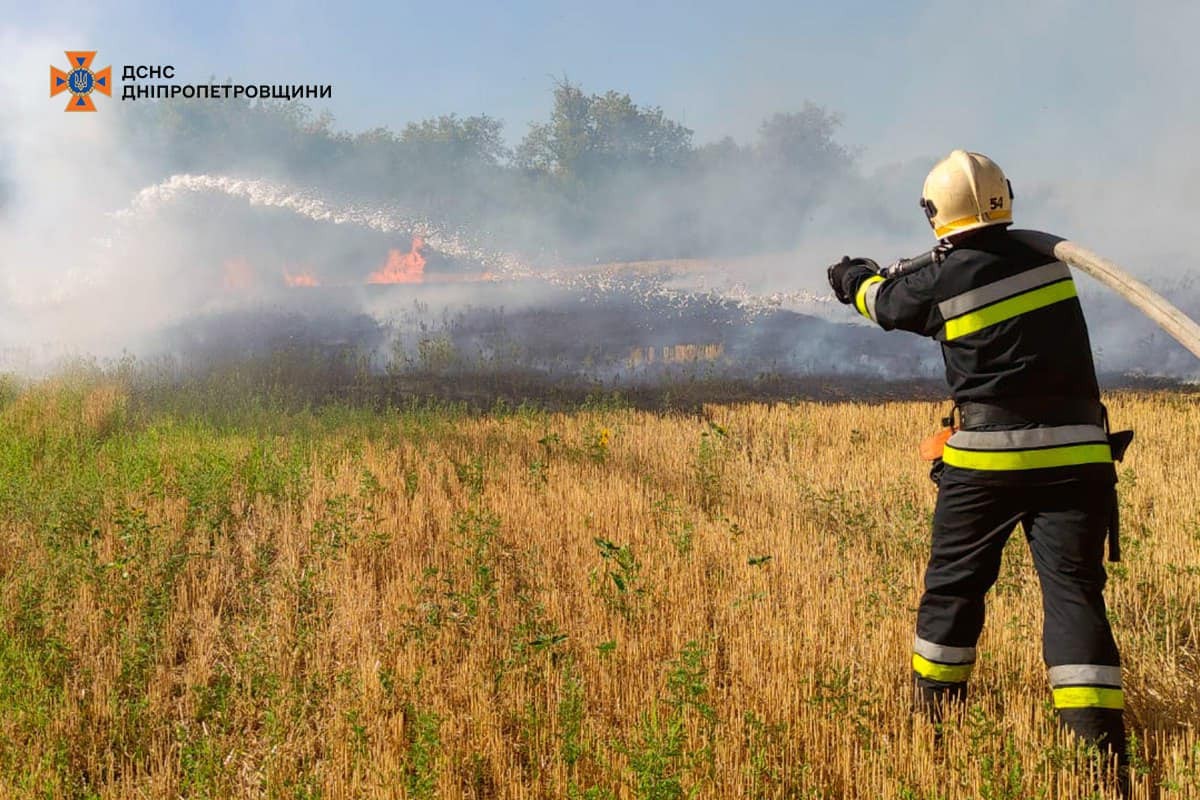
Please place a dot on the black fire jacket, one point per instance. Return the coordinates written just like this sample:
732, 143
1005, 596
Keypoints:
1013, 335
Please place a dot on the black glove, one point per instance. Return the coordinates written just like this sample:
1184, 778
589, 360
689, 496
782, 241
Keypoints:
837, 275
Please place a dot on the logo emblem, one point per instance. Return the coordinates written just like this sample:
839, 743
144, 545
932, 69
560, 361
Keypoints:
80, 81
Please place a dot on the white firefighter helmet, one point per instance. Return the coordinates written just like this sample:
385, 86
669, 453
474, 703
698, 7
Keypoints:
965, 191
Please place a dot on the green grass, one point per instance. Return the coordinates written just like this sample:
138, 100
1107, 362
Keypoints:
118, 502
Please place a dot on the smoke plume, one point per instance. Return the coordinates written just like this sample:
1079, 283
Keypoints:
647, 253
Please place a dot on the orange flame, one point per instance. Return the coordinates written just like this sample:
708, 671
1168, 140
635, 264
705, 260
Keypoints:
402, 267
237, 275
305, 278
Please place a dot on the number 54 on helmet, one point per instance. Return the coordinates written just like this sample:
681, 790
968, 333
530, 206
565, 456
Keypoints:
964, 192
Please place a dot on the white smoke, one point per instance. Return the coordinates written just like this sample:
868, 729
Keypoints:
91, 257
678, 289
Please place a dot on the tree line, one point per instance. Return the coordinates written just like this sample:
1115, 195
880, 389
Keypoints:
602, 178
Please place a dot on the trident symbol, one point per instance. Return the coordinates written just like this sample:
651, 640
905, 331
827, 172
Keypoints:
81, 81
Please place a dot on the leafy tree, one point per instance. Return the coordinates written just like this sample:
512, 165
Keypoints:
803, 143
798, 160
591, 137
464, 142
601, 178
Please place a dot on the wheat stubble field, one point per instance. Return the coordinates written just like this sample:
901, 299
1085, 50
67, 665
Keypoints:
605, 603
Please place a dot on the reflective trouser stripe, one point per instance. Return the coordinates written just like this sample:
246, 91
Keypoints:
1007, 309
943, 653
864, 298
1087, 686
946, 673
1088, 697
1070, 455
1085, 675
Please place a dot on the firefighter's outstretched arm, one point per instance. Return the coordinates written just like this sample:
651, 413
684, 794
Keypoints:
906, 302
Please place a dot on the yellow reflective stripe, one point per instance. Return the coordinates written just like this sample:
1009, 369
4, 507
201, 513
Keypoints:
1003, 289
946, 673
860, 297
1007, 309
1088, 697
987, 218
1067, 456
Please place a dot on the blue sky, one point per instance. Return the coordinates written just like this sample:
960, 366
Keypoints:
716, 67
1090, 106
907, 76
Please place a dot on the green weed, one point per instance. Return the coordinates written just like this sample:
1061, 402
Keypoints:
708, 468
665, 763
619, 583
423, 754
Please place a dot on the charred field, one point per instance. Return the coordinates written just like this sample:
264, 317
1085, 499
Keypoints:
492, 344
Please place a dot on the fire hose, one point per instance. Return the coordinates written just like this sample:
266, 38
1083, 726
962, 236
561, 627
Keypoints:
1180, 327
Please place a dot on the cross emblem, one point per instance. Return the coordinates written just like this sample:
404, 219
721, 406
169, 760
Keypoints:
80, 81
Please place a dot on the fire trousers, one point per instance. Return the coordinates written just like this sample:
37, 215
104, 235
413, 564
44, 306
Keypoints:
1066, 527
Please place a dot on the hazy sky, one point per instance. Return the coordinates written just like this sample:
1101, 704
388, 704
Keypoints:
1091, 102
907, 76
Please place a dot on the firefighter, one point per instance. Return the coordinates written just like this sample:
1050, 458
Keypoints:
1031, 445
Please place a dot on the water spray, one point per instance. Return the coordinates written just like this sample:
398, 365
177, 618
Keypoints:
649, 290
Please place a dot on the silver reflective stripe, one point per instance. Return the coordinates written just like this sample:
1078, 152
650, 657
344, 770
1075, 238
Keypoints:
1085, 675
943, 654
986, 295
1028, 438
869, 299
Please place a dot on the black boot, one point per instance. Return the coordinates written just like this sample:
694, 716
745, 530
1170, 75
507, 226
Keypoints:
1105, 729
1102, 727
933, 698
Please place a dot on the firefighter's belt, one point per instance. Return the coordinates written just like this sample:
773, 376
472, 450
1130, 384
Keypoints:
1017, 411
